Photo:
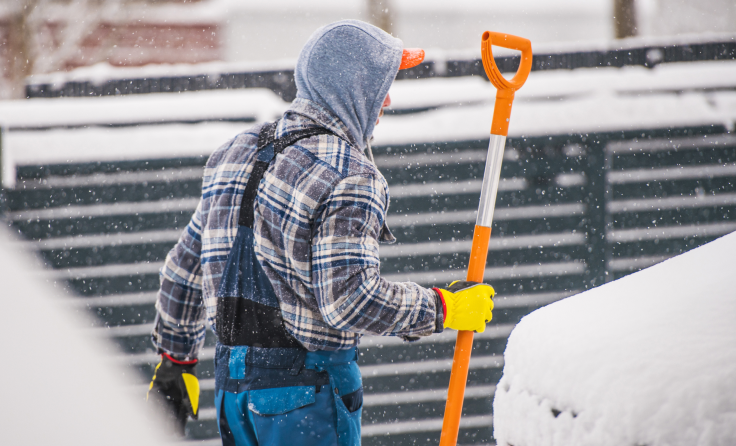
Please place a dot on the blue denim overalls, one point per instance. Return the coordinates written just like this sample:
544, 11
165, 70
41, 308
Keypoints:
269, 390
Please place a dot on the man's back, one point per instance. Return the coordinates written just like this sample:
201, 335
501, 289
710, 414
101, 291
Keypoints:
317, 180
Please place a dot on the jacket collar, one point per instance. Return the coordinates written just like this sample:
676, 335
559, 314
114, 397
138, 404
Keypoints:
319, 115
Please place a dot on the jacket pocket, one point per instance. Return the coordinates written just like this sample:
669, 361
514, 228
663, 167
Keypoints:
280, 400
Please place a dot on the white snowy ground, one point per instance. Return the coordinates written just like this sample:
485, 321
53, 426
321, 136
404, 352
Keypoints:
649, 359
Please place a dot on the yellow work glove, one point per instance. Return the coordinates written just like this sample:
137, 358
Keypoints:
467, 305
175, 386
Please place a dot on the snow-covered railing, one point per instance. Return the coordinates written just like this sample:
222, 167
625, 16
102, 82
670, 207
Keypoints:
281, 80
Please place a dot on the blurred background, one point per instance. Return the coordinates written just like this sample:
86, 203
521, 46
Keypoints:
620, 154
48, 36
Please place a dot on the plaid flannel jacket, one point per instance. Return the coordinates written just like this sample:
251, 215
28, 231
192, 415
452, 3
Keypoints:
319, 215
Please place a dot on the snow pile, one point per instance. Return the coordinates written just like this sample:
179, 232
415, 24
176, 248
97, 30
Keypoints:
649, 359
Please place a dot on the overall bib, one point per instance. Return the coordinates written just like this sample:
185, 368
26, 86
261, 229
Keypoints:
269, 390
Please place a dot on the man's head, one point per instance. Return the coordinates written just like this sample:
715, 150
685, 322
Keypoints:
348, 67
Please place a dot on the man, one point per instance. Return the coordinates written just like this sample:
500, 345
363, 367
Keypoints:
281, 258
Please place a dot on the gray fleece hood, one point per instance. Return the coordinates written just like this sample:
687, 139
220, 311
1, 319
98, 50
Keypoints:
348, 67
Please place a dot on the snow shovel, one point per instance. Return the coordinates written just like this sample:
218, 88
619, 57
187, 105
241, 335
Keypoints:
482, 234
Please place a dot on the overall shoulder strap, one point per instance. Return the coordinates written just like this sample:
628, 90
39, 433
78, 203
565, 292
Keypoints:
268, 148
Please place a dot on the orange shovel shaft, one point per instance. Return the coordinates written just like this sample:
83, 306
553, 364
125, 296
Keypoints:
502, 112
463, 345
456, 391
482, 233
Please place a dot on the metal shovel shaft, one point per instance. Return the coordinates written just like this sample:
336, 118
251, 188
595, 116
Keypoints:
476, 270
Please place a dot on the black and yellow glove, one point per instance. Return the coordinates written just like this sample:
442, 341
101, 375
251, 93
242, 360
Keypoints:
176, 386
467, 305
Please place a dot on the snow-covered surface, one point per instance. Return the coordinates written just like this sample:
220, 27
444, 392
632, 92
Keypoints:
553, 102
681, 76
256, 103
596, 113
563, 101
99, 143
45, 400
103, 71
115, 144
649, 359
570, 84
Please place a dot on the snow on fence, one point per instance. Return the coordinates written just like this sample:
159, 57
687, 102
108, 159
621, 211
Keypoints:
281, 80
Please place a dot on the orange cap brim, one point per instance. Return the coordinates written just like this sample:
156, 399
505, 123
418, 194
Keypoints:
411, 58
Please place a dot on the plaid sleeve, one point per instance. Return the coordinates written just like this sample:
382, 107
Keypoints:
179, 329
346, 279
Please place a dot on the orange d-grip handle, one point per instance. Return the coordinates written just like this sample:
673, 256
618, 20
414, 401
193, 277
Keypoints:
506, 88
